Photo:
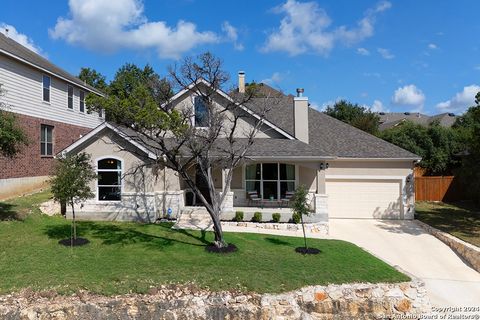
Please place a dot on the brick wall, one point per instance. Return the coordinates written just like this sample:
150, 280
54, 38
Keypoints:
29, 162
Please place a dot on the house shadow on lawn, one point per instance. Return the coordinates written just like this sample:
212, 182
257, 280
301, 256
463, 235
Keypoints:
278, 242
111, 234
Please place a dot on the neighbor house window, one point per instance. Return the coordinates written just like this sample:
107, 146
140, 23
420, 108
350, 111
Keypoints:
201, 117
109, 179
46, 140
100, 113
46, 88
270, 180
70, 97
81, 95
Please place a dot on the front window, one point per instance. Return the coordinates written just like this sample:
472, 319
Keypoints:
70, 97
82, 100
46, 88
201, 113
46, 140
109, 179
270, 180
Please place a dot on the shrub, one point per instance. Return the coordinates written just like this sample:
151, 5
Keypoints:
276, 217
238, 216
296, 218
257, 217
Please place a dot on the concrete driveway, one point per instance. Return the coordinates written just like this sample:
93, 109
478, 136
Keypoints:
449, 281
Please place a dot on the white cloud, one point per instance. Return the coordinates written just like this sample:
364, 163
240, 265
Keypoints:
275, 78
377, 106
432, 46
409, 95
328, 103
461, 101
305, 28
385, 53
21, 38
232, 35
107, 26
363, 52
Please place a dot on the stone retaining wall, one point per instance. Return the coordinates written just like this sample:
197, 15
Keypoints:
317, 228
352, 301
468, 252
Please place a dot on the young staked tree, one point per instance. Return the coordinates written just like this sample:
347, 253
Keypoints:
300, 207
71, 183
12, 137
192, 151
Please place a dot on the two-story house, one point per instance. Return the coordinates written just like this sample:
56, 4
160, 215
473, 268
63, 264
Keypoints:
49, 104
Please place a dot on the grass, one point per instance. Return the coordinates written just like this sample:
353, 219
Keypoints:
129, 257
461, 220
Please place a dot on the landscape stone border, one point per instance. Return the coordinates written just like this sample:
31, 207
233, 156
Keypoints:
317, 228
467, 251
348, 301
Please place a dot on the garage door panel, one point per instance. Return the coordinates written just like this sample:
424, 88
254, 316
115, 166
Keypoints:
366, 199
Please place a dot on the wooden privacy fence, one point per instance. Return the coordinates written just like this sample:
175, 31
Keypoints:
438, 188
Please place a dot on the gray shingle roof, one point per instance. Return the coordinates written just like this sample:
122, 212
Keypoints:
392, 119
14, 48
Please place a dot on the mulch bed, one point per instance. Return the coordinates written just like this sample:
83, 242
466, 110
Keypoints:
228, 249
304, 250
76, 243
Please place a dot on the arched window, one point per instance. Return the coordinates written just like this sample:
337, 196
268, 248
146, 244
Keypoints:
201, 116
109, 179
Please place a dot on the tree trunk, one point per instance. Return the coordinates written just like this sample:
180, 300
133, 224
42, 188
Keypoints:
217, 229
73, 222
303, 228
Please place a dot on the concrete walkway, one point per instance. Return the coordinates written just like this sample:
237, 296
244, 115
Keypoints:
449, 281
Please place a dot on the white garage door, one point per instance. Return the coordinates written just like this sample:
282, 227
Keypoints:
365, 199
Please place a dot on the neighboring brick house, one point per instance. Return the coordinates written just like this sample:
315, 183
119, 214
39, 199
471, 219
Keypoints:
50, 106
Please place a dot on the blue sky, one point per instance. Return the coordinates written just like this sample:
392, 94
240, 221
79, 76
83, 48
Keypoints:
391, 55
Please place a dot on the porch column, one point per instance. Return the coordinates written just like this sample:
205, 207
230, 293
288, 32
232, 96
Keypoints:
227, 205
320, 213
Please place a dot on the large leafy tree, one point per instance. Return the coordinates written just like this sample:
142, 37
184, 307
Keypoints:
71, 183
355, 115
93, 78
12, 136
436, 145
468, 131
133, 93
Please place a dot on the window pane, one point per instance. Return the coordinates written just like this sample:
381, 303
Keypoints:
201, 113
82, 106
70, 91
109, 193
49, 131
109, 164
100, 113
42, 149
286, 186
270, 190
42, 133
270, 171
70, 102
46, 82
252, 172
109, 178
46, 95
253, 186
287, 172
49, 149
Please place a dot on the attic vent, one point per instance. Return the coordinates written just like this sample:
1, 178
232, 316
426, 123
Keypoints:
406, 113
451, 114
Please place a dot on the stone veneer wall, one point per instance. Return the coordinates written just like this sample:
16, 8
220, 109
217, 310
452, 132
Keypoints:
467, 251
350, 301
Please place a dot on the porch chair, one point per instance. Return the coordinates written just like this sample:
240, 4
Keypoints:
288, 197
254, 198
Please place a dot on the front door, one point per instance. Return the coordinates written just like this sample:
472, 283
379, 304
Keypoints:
202, 185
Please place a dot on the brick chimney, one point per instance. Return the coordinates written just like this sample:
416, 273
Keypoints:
300, 116
241, 81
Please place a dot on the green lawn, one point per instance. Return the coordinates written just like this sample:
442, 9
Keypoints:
128, 257
461, 219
